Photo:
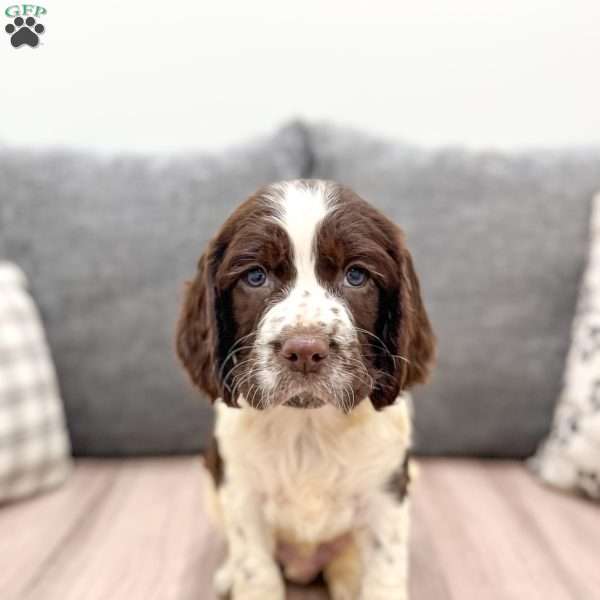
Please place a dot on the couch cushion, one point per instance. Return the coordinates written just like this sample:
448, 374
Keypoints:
499, 242
107, 243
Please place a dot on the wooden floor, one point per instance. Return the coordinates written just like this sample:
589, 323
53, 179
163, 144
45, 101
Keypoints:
135, 530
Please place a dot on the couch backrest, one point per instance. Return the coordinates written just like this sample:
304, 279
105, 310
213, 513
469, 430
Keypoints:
499, 242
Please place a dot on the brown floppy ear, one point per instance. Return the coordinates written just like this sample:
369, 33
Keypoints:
404, 327
196, 341
206, 328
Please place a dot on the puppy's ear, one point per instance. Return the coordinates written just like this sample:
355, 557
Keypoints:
416, 337
196, 335
404, 327
206, 328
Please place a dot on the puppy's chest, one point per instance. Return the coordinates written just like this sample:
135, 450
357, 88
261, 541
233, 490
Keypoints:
315, 471
312, 488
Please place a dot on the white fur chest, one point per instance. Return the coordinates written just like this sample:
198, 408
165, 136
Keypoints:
315, 470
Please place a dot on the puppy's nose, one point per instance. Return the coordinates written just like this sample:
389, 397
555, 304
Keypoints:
305, 354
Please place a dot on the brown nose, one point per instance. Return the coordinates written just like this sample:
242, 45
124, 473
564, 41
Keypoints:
305, 354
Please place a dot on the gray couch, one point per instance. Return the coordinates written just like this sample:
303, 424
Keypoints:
499, 242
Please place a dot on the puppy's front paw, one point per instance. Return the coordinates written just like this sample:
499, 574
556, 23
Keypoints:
259, 592
342, 592
258, 583
223, 580
388, 593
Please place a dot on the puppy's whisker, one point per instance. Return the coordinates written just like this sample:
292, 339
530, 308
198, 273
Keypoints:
239, 365
231, 354
362, 374
241, 380
393, 356
232, 351
383, 345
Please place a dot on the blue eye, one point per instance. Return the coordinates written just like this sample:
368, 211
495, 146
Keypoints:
255, 277
356, 277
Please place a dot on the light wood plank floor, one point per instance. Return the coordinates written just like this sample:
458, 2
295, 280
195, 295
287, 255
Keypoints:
135, 530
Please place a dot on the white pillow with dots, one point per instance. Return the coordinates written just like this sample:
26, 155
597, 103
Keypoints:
569, 458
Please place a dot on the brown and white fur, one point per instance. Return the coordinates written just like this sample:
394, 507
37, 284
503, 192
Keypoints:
305, 324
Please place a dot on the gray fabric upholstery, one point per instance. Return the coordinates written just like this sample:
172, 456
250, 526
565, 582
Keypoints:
500, 243
106, 244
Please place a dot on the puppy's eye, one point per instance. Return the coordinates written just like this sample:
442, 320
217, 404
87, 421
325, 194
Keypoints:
356, 277
255, 277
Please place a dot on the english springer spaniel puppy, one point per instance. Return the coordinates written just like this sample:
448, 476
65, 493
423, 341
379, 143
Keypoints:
305, 325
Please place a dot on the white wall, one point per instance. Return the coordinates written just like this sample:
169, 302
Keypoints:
190, 73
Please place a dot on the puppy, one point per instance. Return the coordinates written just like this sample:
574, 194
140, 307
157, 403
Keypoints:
305, 325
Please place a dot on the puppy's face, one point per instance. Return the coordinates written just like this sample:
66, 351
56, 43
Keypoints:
306, 296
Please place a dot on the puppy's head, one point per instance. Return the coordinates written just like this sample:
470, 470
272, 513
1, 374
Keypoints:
306, 296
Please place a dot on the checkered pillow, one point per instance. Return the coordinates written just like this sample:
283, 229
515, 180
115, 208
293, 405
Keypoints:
34, 446
570, 457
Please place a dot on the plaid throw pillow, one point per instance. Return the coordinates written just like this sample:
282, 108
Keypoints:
34, 446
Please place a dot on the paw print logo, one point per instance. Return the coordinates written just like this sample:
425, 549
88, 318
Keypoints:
24, 31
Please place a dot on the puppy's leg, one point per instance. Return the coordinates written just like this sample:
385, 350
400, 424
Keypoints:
250, 571
343, 574
383, 545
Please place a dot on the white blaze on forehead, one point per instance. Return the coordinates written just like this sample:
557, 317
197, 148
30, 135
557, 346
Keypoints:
302, 208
